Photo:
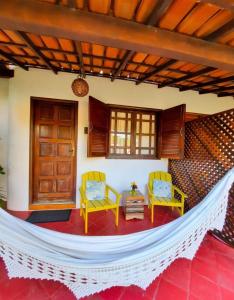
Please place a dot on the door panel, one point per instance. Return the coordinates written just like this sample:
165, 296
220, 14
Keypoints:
53, 151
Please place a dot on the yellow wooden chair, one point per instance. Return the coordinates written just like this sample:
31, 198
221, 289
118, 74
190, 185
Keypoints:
87, 206
173, 202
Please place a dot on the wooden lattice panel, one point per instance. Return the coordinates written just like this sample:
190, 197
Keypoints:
209, 154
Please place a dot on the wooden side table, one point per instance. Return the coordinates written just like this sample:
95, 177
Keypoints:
133, 205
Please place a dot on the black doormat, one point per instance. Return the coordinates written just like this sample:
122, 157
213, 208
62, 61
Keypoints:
46, 216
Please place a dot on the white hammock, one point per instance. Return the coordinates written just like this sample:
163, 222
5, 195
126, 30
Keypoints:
87, 265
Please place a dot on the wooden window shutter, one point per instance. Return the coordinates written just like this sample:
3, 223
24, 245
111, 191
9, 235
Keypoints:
171, 132
98, 136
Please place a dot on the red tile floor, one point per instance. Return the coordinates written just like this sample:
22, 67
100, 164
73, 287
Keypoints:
209, 276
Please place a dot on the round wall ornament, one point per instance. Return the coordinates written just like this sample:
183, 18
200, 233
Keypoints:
80, 87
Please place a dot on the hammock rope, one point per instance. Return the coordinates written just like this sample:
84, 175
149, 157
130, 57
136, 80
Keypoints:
87, 265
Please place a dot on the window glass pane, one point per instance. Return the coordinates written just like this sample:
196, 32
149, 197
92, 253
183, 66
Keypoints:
144, 141
137, 127
137, 140
121, 125
121, 115
145, 117
129, 126
145, 151
112, 139
120, 151
112, 124
128, 140
120, 140
121, 134
145, 127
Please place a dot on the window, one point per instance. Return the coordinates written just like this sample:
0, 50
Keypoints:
120, 132
132, 134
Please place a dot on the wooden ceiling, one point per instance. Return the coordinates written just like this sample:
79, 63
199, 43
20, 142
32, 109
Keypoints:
196, 36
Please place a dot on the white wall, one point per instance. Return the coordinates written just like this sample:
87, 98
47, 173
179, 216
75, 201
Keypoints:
4, 86
120, 173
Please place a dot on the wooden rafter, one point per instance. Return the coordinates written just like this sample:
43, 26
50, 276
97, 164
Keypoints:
13, 60
217, 90
189, 76
72, 4
156, 70
13, 44
225, 29
25, 56
159, 10
227, 4
226, 94
107, 58
31, 45
211, 82
58, 21
123, 63
80, 55
76, 54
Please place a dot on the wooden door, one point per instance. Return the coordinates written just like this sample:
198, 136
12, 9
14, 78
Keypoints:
53, 152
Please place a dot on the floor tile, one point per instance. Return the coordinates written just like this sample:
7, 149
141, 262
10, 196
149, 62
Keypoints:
209, 276
226, 278
226, 294
205, 269
168, 291
178, 273
203, 288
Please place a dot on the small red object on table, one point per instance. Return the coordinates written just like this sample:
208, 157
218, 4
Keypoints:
133, 205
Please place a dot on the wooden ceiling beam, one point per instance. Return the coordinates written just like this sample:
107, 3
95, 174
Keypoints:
156, 70
59, 21
13, 60
211, 82
189, 76
217, 90
31, 45
227, 4
78, 48
225, 29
